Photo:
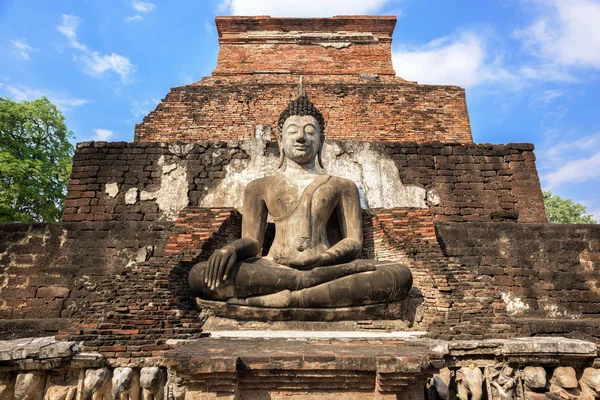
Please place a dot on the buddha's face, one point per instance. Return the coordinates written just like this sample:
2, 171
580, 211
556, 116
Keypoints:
301, 138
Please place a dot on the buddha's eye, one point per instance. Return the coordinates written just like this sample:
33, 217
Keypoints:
309, 129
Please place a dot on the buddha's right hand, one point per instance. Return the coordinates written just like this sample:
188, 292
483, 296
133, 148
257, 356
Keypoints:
220, 265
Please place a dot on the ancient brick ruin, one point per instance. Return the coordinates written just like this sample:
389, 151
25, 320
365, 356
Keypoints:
501, 297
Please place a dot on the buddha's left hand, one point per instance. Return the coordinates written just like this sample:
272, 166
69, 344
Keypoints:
311, 261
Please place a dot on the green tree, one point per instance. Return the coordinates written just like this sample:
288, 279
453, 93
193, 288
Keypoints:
565, 211
35, 160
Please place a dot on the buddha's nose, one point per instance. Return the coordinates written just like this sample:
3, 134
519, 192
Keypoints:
301, 137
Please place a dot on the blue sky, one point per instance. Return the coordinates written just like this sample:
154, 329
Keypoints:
531, 67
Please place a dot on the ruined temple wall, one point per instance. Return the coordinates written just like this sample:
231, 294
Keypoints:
537, 279
52, 270
102, 284
154, 181
368, 108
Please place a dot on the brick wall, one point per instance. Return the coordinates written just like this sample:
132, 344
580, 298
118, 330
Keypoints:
52, 270
385, 109
536, 279
149, 303
329, 46
474, 182
475, 280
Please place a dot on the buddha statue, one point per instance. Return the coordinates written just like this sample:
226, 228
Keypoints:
313, 261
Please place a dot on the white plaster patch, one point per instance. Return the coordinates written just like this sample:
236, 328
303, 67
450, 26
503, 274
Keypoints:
433, 197
238, 173
514, 305
131, 196
172, 196
335, 45
111, 189
180, 149
376, 176
554, 310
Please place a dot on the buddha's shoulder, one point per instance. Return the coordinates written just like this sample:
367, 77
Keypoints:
259, 183
343, 182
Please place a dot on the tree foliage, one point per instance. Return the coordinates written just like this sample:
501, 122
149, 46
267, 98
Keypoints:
565, 211
35, 160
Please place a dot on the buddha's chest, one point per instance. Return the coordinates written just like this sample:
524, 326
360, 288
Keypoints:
319, 202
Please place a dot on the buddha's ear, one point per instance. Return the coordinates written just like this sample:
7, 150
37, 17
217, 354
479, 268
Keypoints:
281, 151
320, 152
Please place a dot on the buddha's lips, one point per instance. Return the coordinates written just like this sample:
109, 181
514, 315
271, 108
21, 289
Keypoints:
301, 148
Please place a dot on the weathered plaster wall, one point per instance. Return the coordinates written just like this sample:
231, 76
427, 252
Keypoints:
154, 181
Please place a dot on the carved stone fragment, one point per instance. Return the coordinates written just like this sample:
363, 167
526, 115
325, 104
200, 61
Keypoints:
60, 392
152, 381
125, 384
438, 387
563, 383
97, 385
30, 386
503, 387
534, 378
590, 383
7, 385
469, 382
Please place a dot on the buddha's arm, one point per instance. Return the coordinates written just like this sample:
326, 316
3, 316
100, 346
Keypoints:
350, 218
254, 224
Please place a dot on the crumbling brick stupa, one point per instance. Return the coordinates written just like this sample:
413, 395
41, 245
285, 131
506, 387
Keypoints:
503, 304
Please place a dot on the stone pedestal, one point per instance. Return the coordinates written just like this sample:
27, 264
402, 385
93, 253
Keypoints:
260, 368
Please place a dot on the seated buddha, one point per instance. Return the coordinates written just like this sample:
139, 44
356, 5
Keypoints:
314, 258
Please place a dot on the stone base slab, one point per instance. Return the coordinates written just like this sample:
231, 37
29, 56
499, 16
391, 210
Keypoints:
218, 324
328, 368
396, 310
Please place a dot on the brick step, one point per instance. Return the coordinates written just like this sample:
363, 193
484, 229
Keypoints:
32, 327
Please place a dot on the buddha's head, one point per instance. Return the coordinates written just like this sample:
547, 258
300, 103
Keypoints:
301, 126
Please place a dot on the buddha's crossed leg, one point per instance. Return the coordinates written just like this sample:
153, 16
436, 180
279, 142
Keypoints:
263, 283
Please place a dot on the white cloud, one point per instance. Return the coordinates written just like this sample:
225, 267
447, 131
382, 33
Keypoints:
460, 60
142, 108
567, 32
143, 6
575, 171
548, 96
102, 135
134, 18
24, 50
305, 8
595, 214
547, 72
68, 27
569, 160
209, 27
92, 62
20, 93
97, 64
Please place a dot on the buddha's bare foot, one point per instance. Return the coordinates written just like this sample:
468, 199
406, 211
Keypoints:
329, 273
275, 300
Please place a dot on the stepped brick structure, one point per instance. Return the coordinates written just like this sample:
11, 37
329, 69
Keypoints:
105, 293
347, 65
